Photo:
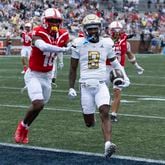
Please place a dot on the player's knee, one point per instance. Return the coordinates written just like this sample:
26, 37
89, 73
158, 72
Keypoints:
38, 105
104, 111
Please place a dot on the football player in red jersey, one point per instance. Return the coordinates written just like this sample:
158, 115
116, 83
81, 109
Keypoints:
121, 48
26, 38
38, 75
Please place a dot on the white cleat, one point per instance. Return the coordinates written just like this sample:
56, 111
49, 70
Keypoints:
23, 72
139, 70
54, 84
110, 149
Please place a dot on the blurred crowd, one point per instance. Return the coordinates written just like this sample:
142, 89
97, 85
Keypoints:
144, 25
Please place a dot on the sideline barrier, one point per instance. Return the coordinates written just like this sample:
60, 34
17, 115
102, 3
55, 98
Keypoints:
16, 46
137, 46
2, 48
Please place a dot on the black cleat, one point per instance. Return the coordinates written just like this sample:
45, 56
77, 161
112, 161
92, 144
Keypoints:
110, 150
114, 118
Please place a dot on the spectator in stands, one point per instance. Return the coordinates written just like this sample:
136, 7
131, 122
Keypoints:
163, 47
149, 2
8, 44
155, 43
32, 10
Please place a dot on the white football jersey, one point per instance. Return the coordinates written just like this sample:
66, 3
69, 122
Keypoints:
92, 57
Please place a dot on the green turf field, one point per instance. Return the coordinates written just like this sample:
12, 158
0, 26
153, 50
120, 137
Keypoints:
140, 131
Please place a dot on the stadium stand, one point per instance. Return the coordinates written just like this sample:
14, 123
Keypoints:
141, 17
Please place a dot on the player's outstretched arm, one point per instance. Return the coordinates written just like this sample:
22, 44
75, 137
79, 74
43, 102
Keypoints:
45, 47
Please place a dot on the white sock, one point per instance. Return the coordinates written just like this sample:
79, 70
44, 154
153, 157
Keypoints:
25, 125
114, 114
107, 144
137, 65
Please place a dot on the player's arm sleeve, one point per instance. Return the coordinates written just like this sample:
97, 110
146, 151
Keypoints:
113, 59
111, 52
45, 47
115, 63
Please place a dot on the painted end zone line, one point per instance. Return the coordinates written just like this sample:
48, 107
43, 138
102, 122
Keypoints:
82, 153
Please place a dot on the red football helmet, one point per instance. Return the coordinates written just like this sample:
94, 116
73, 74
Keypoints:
51, 20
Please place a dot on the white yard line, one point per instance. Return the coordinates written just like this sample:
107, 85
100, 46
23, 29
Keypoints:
65, 91
82, 153
79, 111
151, 99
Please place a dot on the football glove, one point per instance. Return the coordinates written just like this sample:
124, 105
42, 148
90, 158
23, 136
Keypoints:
72, 93
125, 84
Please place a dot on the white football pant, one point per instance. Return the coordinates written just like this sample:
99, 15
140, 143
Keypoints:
26, 51
38, 85
92, 97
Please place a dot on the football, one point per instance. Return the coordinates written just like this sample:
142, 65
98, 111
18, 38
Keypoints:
116, 77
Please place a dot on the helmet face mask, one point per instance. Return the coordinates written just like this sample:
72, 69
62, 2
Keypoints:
53, 24
51, 20
92, 33
28, 27
92, 28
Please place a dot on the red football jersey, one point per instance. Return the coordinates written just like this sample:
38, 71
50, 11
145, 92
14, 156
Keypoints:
43, 61
26, 38
120, 47
62, 38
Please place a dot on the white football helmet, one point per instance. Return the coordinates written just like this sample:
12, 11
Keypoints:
92, 27
28, 26
116, 26
51, 20
115, 29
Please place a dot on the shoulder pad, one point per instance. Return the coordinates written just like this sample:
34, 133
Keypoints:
77, 42
108, 42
